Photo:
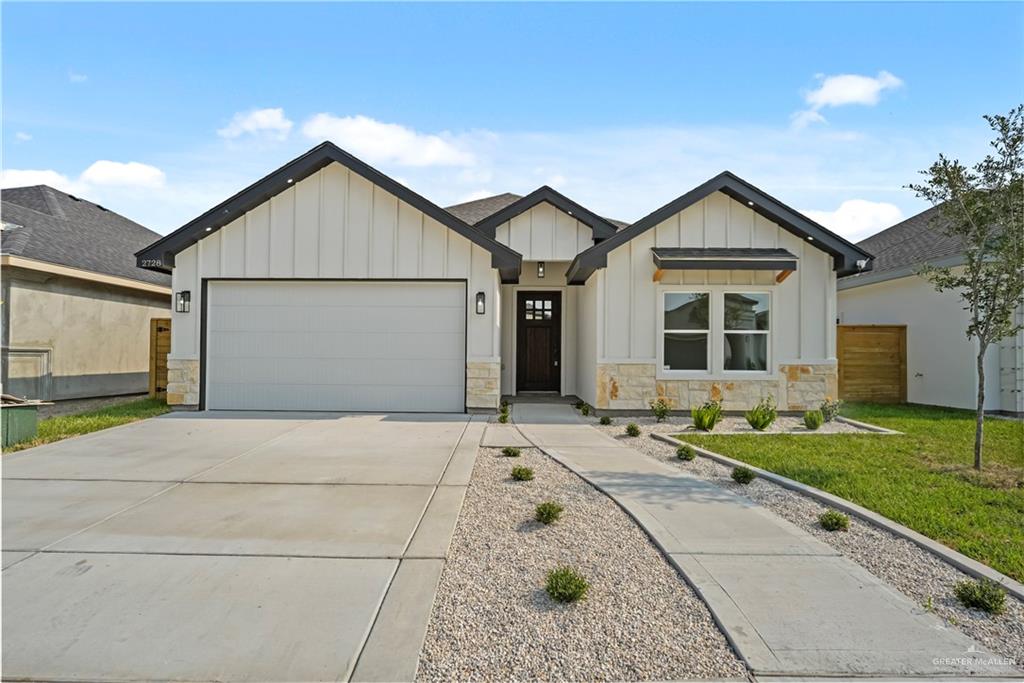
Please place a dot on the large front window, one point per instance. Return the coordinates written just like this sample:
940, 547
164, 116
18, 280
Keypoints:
687, 328
746, 331
715, 331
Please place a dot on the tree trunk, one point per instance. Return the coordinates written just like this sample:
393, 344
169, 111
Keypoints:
979, 417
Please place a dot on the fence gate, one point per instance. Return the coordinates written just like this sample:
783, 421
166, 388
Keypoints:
159, 347
872, 363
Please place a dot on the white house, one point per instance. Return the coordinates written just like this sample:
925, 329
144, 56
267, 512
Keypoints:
940, 359
329, 286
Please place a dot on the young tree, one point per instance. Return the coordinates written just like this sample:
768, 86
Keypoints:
983, 207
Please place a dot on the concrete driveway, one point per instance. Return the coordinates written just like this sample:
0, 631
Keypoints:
231, 546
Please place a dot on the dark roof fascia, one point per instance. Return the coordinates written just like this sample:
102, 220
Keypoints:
875, 277
723, 259
601, 228
846, 254
159, 256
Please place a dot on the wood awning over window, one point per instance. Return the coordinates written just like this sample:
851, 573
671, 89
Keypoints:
714, 258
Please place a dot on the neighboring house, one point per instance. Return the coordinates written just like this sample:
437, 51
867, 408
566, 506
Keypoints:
76, 308
329, 286
940, 358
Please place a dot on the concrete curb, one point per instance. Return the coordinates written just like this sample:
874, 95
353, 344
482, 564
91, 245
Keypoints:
866, 426
948, 555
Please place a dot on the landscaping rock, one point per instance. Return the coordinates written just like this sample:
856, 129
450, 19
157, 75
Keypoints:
493, 620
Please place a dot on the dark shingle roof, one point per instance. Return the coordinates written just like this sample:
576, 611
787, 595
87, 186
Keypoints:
479, 209
45, 224
915, 241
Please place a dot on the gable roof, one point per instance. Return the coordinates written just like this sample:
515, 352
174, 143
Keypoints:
601, 228
48, 225
160, 254
845, 254
478, 209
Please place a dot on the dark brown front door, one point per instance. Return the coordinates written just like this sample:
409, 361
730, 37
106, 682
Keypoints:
539, 341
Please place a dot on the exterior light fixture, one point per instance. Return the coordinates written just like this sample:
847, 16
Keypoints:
540, 269
810, 239
750, 203
209, 229
183, 301
481, 303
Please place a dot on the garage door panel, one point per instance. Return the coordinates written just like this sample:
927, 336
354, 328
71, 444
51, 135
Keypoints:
367, 317
369, 398
330, 371
350, 346
421, 346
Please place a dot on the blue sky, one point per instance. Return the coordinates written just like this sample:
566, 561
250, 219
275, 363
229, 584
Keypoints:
160, 111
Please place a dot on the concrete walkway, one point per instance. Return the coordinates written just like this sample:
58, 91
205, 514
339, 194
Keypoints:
790, 605
231, 547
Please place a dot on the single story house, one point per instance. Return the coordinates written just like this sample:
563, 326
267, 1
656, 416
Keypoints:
939, 363
329, 286
76, 309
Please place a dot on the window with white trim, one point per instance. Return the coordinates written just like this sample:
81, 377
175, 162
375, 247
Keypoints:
745, 331
687, 330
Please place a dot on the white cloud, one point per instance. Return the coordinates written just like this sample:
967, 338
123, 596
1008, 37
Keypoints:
130, 174
856, 219
378, 142
270, 123
842, 90
22, 136
24, 177
474, 195
76, 77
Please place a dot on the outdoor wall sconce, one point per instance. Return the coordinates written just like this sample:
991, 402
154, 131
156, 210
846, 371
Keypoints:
182, 302
480, 303
540, 269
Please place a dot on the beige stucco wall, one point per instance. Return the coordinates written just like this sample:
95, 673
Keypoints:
76, 337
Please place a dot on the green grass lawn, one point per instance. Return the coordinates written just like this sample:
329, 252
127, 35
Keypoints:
57, 428
922, 479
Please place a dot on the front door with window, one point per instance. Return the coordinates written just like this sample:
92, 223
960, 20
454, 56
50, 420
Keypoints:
538, 341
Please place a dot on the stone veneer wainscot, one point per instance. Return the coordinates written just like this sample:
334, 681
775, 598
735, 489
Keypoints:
632, 386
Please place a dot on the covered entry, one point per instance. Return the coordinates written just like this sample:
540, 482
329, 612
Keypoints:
335, 345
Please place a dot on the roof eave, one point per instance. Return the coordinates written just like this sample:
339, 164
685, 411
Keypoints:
159, 256
601, 228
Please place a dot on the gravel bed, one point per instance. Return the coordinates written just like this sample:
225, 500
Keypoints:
492, 619
916, 573
730, 424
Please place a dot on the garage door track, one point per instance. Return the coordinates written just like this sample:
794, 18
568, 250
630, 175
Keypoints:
231, 546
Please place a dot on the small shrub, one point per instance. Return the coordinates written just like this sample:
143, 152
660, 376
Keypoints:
522, 473
833, 520
813, 419
503, 418
585, 409
605, 420
686, 452
761, 416
511, 452
565, 584
830, 409
548, 512
983, 594
632, 429
706, 416
743, 475
578, 405
661, 408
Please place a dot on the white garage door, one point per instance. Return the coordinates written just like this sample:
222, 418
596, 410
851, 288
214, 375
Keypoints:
321, 345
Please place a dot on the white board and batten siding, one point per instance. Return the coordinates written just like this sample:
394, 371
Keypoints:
803, 306
335, 224
545, 233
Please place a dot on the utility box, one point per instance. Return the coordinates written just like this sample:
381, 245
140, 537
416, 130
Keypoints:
18, 422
